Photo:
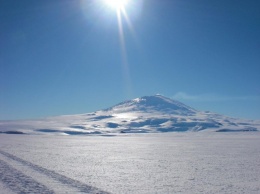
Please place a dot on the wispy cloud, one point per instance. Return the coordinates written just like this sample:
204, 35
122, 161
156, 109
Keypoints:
211, 97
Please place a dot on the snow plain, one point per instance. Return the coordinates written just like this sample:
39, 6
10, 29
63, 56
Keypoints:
131, 163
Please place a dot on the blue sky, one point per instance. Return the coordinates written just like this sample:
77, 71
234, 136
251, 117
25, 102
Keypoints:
66, 57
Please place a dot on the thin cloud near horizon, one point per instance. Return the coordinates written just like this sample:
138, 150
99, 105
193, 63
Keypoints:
211, 97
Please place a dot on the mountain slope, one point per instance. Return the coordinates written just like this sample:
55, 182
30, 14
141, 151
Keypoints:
141, 115
157, 103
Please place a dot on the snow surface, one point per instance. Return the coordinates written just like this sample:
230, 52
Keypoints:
131, 163
148, 114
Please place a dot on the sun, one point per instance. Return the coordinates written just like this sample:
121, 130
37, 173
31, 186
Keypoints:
117, 4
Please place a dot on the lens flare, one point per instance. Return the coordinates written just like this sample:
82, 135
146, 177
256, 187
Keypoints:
121, 7
117, 4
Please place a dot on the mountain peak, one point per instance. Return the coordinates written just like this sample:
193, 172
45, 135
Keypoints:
158, 103
146, 114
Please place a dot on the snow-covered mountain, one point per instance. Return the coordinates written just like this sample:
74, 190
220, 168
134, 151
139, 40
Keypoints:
148, 114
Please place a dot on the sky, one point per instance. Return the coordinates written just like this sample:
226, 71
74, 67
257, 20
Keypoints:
76, 56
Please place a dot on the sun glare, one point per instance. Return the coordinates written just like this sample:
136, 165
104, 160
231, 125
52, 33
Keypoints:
117, 4
121, 8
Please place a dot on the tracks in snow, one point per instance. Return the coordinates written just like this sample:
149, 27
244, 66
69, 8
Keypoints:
13, 174
19, 182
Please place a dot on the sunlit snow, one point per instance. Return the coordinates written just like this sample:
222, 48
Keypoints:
131, 163
148, 114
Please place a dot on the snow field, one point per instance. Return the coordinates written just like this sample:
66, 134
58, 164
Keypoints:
133, 163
